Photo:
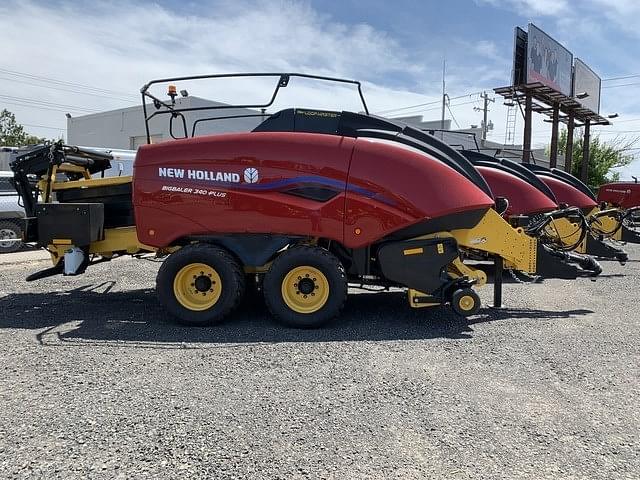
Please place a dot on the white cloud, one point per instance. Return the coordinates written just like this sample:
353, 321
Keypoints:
121, 46
487, 49
624, 14
532, 7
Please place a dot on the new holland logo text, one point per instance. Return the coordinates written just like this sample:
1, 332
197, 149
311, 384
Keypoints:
613, 190
207, 175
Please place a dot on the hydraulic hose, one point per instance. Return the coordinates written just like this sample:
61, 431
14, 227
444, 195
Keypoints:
629, 213
537, 229
618, 215
547, 218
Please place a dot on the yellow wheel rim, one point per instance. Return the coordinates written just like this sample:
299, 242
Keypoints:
305, 289
197, 286
466, 303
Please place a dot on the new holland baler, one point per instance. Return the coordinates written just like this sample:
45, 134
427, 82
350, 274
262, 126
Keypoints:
608, 221
306, 203
533, 205
624, 195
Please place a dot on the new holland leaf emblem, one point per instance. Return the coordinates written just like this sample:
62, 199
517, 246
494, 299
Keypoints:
251, 175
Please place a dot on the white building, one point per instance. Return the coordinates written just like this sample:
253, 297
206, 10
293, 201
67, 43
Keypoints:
125, 128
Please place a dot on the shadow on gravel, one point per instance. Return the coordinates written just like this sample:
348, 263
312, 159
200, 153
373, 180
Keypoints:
94, 313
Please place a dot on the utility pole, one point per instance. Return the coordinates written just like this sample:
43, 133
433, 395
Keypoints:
444, 95
485, 109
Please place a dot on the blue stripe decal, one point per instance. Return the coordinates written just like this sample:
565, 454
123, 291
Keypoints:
280, 184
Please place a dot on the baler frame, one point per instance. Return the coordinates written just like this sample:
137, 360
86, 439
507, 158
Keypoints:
177, 112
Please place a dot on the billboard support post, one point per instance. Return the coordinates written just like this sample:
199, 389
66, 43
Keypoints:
526, 142
568, 156
586, 143
553, 154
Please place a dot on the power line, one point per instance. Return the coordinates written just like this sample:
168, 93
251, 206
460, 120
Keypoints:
432, 109
622, 85
621, 78
29, 102
42, 126
407, 108
40, 107
429, 103
60, 82
464, 103
61, 89
453, 116
425, 104
44, 102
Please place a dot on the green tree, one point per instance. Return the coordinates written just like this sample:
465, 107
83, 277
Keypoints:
12, 134
603, 157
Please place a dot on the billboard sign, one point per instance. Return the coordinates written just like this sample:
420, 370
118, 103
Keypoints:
586, 81
519, 73
548, 62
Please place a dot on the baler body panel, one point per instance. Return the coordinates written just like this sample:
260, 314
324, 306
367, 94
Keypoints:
407, 187
621, 194
524, 198
566, 193
352, 190
171, 207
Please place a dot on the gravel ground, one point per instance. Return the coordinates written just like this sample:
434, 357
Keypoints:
97, 382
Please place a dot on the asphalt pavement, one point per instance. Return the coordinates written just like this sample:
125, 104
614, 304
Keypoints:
98, 382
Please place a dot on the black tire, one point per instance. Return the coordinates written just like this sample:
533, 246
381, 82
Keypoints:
465, 302
332, 284
10, 231
223, 264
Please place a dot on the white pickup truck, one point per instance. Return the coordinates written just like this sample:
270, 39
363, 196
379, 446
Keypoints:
11, 215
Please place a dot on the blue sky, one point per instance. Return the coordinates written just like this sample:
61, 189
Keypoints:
396, 48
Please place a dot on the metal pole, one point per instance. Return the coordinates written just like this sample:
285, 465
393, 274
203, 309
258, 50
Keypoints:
553, 155
568, 156
444, 95
484, 122
485, 112
497, 282
586, 143
526, 142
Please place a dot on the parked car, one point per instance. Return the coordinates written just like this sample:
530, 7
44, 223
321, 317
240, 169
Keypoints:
11, 215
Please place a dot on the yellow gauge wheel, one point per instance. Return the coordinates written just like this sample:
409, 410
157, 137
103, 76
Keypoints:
466, 303
305, 289
197, 287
